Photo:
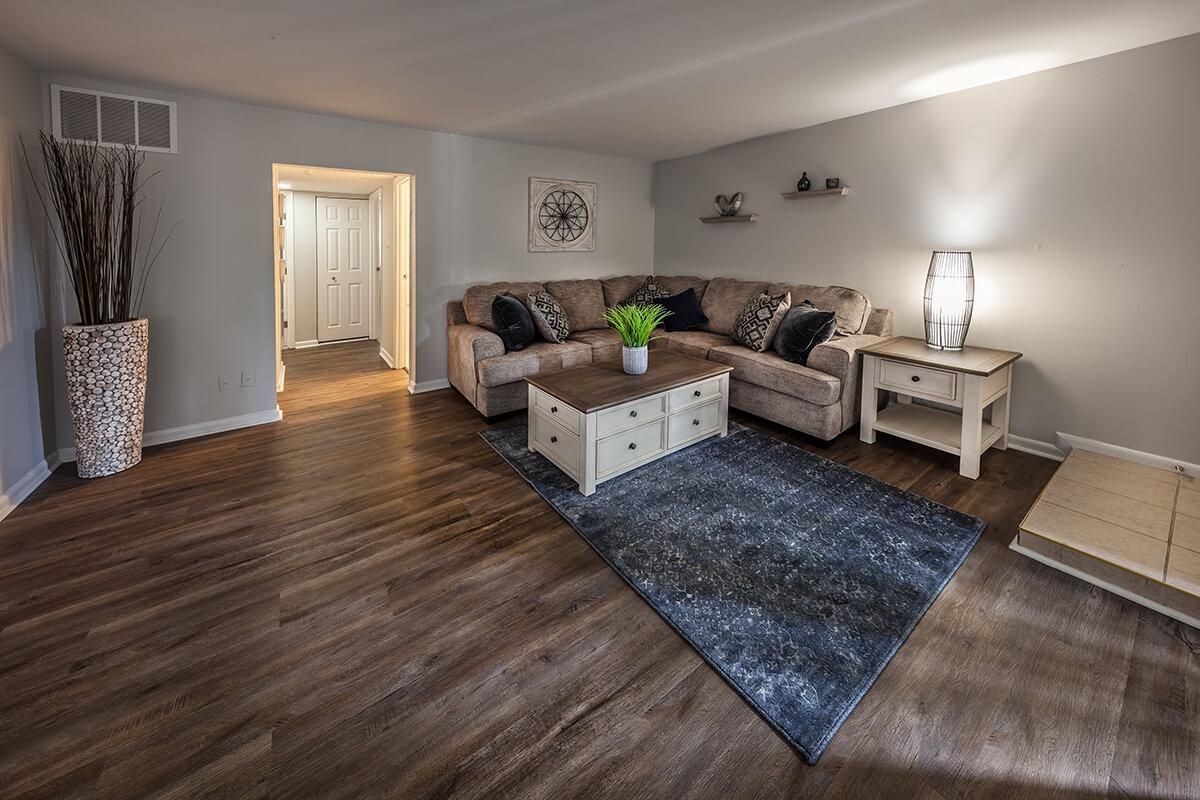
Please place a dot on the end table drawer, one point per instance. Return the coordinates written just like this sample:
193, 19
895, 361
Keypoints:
555, 443
629, 415
630, 446
699, 421
911, 379
558, 411
696, 393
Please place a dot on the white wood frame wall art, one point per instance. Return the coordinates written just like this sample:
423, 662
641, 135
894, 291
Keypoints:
562, 216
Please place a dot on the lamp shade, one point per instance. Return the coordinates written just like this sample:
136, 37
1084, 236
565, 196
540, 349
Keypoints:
949, 298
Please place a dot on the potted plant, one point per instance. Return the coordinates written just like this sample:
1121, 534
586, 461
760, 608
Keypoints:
94, 194
635, 322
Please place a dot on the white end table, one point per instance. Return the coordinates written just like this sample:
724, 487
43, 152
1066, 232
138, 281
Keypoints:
971, 380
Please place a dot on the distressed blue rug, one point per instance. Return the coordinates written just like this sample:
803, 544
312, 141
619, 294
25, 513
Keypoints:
797, 578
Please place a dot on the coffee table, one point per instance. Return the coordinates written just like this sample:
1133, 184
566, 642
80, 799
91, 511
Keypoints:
596, 422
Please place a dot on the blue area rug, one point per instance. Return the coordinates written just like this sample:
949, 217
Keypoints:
795, 577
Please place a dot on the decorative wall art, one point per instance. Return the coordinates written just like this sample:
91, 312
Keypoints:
562, 216
728, 206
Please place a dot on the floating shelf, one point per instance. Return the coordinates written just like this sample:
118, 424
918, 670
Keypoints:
842, 192
734, 218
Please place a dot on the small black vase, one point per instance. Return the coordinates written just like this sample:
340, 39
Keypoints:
804, 184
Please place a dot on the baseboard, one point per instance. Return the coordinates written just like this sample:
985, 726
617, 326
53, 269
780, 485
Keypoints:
429, 386
1069, 440
13, 495
1036, 447
279, 383
307, 343
387, 357
151, 438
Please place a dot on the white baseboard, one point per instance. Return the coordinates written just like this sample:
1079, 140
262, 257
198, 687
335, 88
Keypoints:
387, 357
279, 383
1067, 441
307, 343
11, 497
1036, 447
151, 438
429, 386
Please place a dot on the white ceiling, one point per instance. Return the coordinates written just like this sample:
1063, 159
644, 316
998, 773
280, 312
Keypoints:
646, 78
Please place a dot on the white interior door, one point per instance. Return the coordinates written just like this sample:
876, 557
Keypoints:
343, 269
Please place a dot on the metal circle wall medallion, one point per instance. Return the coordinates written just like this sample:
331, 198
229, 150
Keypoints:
563, 216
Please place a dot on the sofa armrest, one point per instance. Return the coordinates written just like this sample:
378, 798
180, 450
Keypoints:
879, 322
468, 345
839, 357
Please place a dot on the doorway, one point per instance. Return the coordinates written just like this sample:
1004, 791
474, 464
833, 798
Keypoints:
343, 262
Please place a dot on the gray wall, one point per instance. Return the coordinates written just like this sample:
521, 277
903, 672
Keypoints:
25, 391
210, 299
1078, 189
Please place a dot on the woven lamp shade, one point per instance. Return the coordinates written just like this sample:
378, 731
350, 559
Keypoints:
949, 298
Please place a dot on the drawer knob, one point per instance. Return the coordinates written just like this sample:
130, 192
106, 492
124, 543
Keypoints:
553, 439
633, 413
696, 393
633, 445
553, 409
916, 378
695, 422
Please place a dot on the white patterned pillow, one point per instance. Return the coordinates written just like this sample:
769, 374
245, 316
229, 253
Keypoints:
549, 317
756, 325
648, 292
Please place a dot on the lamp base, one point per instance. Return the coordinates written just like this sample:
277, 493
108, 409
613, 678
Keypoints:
933, 346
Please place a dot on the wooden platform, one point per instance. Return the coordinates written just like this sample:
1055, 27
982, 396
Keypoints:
1126, 527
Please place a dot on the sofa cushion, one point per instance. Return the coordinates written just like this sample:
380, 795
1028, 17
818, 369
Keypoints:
851, 306
536, 358
583, 301
549, 317
755, 327
477, 300
648, 292
802, 329
513, 323
605, 344
617, 289
724, 299
685, 311
770, 371
690, 343
674, 284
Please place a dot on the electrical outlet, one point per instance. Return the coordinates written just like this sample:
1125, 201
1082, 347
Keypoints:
224, 383
248, 378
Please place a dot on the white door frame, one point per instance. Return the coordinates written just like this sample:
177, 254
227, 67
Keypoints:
289, 269
370, 282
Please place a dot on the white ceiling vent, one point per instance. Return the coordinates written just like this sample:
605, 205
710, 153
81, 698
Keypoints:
84, 115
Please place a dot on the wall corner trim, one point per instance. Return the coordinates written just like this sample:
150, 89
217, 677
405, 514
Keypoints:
1069, 441
387, 357
11, 497
1035, 447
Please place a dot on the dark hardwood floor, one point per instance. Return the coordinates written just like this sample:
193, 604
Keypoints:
364, 601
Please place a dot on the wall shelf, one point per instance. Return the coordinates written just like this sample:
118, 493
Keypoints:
735, 218
840, 192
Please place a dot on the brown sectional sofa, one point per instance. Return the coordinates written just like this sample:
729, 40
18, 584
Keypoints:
820, 399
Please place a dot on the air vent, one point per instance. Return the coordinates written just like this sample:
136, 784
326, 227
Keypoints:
84, 115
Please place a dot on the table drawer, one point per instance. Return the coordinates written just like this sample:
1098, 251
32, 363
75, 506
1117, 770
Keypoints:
923, 381
629, 446
695, 393
558, 411
630, 415
692, 423
555, 443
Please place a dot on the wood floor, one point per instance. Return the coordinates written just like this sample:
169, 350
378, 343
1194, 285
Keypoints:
363, 601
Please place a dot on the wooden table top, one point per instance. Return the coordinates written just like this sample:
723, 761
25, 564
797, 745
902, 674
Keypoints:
603, 384
972, 360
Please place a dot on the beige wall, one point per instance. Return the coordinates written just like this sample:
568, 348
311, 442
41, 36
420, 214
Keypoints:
211, 299
1078, 189
25, 388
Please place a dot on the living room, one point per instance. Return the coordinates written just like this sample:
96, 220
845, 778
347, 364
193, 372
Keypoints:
785, 401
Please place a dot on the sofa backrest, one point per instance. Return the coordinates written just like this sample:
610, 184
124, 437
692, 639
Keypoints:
851, 306
617, 289
724, 299
477, 300
681, 283
582, 300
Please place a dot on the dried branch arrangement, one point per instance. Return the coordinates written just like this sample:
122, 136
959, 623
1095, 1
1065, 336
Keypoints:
96, 194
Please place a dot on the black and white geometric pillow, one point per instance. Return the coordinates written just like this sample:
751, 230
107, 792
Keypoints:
648, 292
549, 317
755, 326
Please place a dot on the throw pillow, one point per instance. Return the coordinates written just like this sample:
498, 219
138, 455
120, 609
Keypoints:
756, 325
513, 323
648, 292
549, 317
803, 328
685, 311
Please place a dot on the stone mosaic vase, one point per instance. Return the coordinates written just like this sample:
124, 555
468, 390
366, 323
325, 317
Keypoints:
106, 389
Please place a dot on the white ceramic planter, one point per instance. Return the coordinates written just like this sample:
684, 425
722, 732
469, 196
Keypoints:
106, 389
634, 359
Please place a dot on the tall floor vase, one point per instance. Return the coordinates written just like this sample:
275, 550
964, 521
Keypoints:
106, 389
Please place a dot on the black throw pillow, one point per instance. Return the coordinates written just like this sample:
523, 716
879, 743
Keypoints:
685, 311
803, 328
514, 325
